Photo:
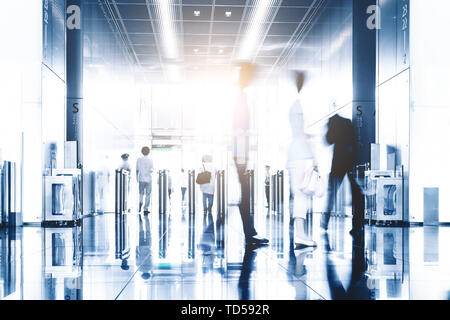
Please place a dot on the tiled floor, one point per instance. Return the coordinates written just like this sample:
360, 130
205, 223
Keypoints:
162, 257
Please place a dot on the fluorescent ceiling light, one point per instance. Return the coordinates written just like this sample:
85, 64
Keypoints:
228, 14
254, 31
196, 13
167, 29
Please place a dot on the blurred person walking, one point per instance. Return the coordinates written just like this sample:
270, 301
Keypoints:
341, 134
241, 126
300, 159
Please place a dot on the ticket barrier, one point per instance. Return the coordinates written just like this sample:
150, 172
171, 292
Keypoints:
62, 198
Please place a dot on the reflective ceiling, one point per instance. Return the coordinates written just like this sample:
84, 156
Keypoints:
191, 38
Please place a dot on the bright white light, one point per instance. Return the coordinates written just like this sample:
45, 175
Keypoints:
196, 50
167, 30
228, 14
174, 72
253, 33
220, 51
196, 13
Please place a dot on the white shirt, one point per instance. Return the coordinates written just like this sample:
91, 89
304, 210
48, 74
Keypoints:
144, 169
299, 149
184, 180
209, 188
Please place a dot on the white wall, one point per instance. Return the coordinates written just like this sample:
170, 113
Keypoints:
20, 89
430, 105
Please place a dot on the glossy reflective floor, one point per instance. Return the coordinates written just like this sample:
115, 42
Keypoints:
180, 257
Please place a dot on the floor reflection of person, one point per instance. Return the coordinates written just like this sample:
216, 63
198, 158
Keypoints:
300, 158
248, 265
241, 127
358, 288
296, 267
143, 250
207, 240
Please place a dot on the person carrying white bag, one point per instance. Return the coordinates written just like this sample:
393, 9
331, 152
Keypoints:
300, 161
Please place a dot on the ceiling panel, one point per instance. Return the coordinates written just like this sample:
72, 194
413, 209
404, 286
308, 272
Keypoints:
207, 33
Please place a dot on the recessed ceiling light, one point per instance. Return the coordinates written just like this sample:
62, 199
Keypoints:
197, 13
228, 14
196, 50
220, 51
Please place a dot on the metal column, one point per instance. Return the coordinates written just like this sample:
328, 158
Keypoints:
163, 190
121, 191
191, 192
364, 61
8, 195
274, 188
191, 206
280, 191
221, 209
251, 187
74, 76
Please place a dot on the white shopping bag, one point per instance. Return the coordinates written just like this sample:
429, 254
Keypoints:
312, 184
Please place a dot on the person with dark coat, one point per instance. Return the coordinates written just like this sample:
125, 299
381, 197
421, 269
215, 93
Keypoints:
341, 134
241, 129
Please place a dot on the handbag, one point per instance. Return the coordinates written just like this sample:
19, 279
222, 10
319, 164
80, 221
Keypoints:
313, 184
203, 177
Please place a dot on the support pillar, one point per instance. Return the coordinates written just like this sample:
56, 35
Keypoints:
365, 23
74, 75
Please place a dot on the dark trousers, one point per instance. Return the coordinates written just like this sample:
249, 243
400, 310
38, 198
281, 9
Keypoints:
244, 205
334, 183
183, 193
208, 200
268, 195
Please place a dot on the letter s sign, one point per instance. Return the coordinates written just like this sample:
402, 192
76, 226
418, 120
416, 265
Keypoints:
74, 18
75, 107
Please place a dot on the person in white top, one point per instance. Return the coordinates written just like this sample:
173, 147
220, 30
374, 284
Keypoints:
300, 158
208, 188
144, 170
184, 185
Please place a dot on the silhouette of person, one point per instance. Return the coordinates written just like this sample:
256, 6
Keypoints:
358, 289
144, 169
248, 265
341, 134
241, 126
300, 158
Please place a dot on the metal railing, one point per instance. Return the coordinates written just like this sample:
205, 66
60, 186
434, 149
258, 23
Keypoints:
8, 194
251, 187
121, 194
163, 191
191, 192
277, 187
